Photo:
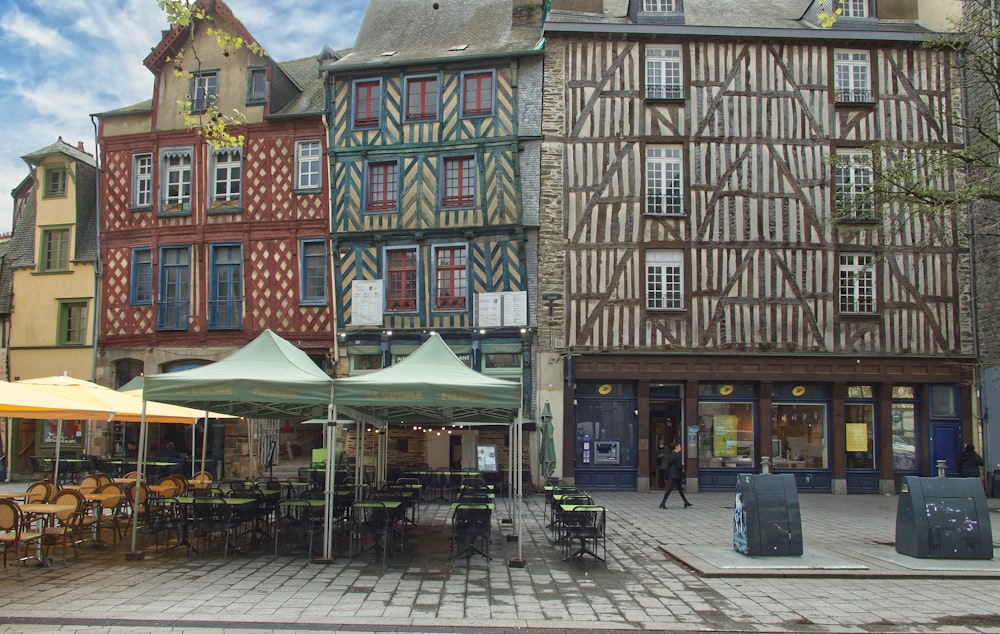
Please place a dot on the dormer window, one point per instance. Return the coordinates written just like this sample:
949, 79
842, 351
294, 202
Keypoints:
853, 8
661, 6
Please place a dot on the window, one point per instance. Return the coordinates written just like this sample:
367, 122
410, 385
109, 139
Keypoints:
664, 79
727, 424
852, 77
175, 288
421, 98
72, 323
225, 291
367, 103
477, 94
459, 182
904, 429
141, 279
798, 434
401, 275
661, 6
142, 181
664, 280
853, 8
176, 182
308, 162
382, 186
664, 193
451, 273
859, 422
54, 253
853, 197
256, 86
226, 179
857, 283
55, 182
204, 90
314, 264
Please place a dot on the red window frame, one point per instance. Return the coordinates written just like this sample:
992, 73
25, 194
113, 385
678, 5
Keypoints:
367, 103
401, 274
477, 89
452, 277
421, 100
382, 186
459, 181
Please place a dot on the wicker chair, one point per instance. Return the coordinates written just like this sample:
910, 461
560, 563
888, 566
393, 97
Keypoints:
14, 536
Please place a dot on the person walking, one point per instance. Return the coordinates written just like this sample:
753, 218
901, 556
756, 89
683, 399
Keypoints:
675, 475
661, 465
969, 462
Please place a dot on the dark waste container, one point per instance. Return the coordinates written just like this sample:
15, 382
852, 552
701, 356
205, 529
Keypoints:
995, 484
767, 520
943, 518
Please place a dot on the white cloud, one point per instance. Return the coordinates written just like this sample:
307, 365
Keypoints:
24, 28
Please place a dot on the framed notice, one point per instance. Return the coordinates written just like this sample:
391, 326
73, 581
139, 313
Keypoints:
724, 438
857, 436
366, 303
486, 457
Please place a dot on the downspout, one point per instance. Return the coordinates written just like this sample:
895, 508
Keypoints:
88, 445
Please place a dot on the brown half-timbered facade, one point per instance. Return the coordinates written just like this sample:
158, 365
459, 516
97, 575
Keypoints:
719, 274
204, 246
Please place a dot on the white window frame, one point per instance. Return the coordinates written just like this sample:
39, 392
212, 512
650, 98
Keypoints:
308, 164
142, 180
177, 167
853, 178
204, 89
856, 273
853, 8
227, 173
664, 72
852, 76
664, 279
661, 6
664, 180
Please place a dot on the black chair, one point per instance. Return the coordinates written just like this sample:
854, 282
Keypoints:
586, 525
212, 517
369, 529
471, 531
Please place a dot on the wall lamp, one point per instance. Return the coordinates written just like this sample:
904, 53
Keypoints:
551, 298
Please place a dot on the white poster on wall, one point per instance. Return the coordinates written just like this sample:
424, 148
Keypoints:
366, 303
494, 310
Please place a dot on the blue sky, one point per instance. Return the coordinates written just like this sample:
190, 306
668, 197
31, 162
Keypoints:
62, 60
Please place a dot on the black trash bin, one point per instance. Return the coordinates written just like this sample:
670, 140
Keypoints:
995, 484
943, 518
767, 520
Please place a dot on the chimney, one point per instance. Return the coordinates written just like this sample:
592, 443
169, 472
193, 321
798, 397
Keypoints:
79, 146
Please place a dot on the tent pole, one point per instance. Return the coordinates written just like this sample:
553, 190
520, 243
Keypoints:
519, 425
7, 445
204, 441
134, 554
330, 478
55, 469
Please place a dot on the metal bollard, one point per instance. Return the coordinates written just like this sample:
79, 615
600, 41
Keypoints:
942, 465
765, 465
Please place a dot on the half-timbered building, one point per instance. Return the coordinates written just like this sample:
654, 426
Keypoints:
206, 243
717, 272
433, 149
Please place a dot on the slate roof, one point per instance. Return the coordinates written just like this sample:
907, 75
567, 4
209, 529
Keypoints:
59, 147
483, 27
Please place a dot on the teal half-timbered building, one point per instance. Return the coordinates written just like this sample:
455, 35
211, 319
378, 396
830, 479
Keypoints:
434, 159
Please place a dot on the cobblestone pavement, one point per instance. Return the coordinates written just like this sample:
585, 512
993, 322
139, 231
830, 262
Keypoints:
654, 580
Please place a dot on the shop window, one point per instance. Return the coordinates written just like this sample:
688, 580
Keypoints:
904, 429
859, 422
725, 435
798, 435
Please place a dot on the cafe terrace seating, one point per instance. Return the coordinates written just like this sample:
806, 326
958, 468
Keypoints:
15, 535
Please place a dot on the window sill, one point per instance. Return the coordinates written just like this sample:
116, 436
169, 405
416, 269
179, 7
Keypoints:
860, 316
52, 272
309, 190
668, 100
225, 211
375, 212
476, 115
667, 311
866, 105
314, 304
141, 209
430, 119
679, 216
143, 303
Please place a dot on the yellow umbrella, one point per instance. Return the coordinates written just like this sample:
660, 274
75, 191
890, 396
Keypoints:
123, 406
26, 401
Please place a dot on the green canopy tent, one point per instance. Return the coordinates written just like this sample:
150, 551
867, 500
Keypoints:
432, 385
267, 378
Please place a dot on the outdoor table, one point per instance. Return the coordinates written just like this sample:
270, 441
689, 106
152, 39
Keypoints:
392, 507
14, 495
470, 528
40, 514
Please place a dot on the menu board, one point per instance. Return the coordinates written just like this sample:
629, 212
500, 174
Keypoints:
486, 457
494, 310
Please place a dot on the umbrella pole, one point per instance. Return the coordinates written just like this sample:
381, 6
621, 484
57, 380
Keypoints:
330, 480
135, 554
204, 441
55, 469
8, 427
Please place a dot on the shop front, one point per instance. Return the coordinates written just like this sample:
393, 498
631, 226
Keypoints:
843, 426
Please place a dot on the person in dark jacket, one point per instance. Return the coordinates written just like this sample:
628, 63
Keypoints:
969, 462
675, 475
